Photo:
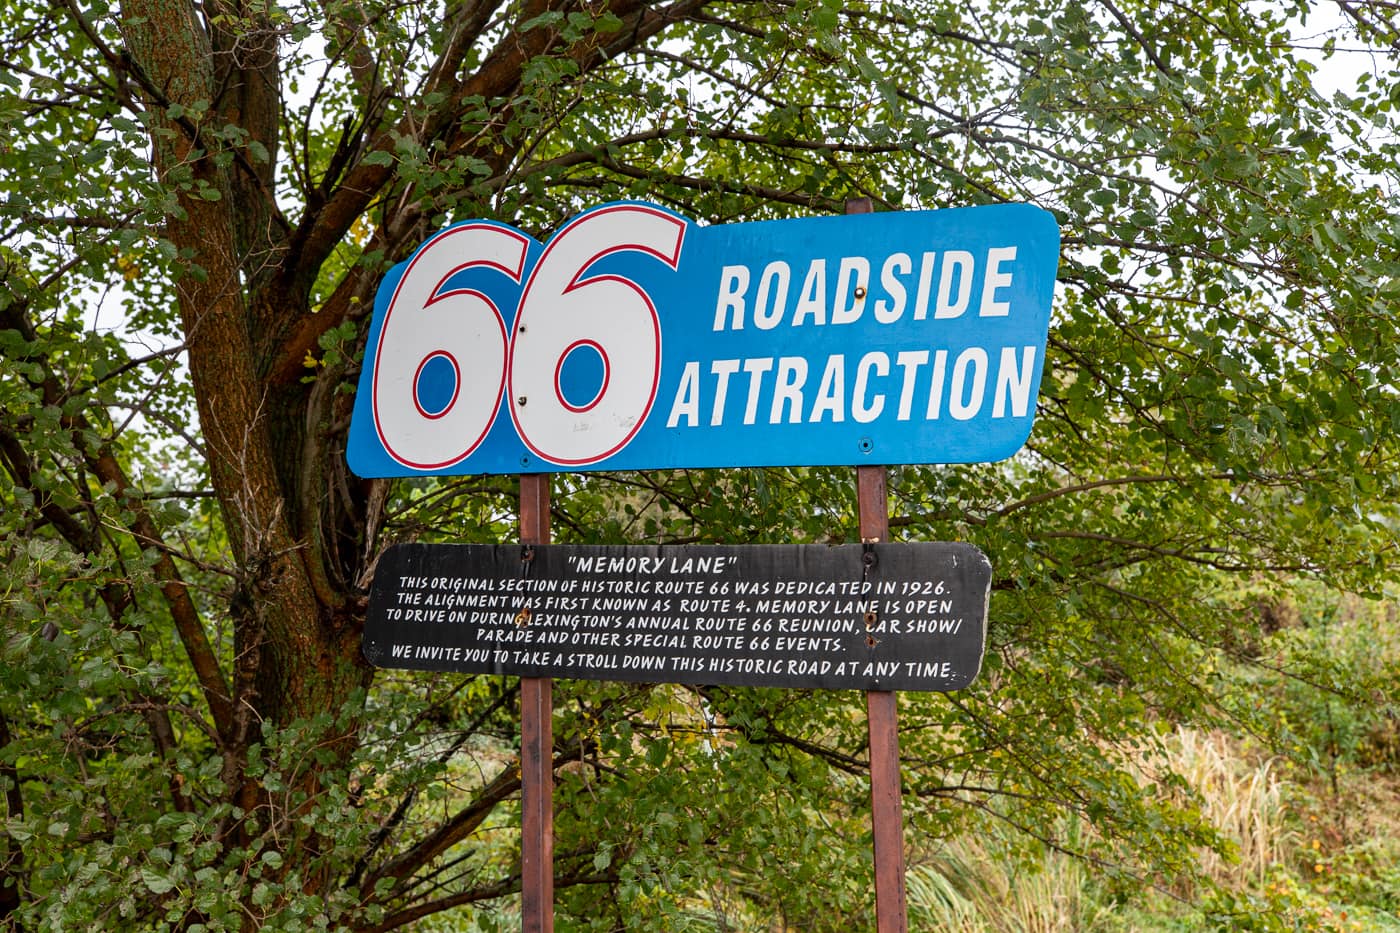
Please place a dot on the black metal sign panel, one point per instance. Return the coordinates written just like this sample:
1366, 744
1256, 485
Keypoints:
866, 617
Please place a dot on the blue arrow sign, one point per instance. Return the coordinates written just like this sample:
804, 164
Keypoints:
638, 339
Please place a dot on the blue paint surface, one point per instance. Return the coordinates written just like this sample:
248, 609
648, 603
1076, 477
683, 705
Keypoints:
912, 337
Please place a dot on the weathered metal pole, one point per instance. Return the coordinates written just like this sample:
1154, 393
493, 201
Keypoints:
536, 747
882, 714
886, 804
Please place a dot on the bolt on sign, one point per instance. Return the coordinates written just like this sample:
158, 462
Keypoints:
861, 617
638, 339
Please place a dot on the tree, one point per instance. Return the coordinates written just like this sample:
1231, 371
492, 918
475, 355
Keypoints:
200, 200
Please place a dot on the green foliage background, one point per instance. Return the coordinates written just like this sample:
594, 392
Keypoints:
198, 202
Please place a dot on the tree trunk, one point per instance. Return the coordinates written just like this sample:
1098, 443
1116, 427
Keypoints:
296, 645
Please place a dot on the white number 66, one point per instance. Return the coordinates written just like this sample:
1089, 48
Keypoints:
442, 361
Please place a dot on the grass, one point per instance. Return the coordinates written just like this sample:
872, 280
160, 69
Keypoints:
1289, 865
971, 888
1241, 799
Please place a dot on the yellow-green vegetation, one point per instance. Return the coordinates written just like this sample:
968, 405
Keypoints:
1308, 815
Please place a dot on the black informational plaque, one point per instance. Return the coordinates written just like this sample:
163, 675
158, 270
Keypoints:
848, 617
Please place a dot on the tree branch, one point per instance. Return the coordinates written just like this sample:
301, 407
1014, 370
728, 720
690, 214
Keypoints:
12, 873
503, 786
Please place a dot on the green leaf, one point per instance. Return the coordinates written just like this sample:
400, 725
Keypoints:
156, 882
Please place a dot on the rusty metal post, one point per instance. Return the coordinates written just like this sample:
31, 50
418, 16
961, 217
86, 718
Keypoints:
886, 804
882, 714
536, 748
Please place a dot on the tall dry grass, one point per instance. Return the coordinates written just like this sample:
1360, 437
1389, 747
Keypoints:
967, 886
1241, 799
